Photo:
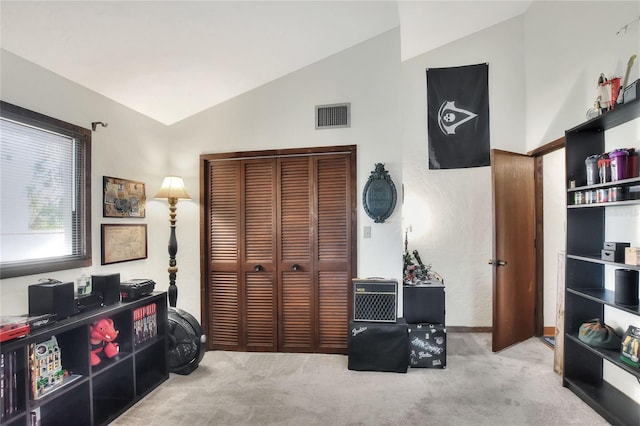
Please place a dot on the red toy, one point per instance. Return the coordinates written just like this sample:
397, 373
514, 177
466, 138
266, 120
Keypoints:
102, 336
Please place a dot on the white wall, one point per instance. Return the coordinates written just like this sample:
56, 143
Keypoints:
450, 211
567, 45
131, 147
281, 115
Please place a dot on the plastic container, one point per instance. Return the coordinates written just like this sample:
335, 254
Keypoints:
615, 194
618, 164
632, 163
591, 165
604, 170
578, 198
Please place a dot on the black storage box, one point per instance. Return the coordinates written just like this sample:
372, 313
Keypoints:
423, 304
427, 345
374, 346
626, 287
614, 252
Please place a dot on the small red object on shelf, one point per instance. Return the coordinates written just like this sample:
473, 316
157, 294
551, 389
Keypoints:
13, 331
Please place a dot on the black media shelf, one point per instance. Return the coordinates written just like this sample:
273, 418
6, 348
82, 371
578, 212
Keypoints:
607, 400
586, 294
95, 395
596, 259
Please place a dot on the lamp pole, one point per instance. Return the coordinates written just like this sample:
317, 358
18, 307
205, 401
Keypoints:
172, 190
173, 249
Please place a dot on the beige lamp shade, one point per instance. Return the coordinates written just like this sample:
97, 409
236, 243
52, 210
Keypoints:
172, 187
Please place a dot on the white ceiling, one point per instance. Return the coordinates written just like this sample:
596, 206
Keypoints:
172, 59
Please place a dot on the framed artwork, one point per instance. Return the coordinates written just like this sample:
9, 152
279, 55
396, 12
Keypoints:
123, 198
122, 243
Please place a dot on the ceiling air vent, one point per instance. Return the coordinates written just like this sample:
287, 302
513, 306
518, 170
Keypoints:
333, 116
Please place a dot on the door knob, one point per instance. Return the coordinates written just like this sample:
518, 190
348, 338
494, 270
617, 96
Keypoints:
295, 267
257, 268
497, 262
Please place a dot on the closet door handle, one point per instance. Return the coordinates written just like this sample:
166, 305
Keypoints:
257, 268
295, 267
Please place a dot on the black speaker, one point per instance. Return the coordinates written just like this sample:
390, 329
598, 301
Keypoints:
52, 298
626, 287
378, 346
375, 300
108, 285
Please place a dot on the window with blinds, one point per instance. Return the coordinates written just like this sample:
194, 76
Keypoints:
44, 193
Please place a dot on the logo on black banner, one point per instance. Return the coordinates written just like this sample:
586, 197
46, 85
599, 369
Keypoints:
450, 117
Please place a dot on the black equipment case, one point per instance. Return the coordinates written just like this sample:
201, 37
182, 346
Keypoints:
134, 289
428, 345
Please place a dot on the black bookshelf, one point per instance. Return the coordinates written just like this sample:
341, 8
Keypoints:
89, 395
585, 294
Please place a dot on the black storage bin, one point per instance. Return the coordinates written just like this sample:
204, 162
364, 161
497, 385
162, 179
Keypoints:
423, 304
374, 346
427, 346
626, 287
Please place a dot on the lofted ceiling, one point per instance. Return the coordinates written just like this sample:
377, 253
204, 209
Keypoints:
172, 59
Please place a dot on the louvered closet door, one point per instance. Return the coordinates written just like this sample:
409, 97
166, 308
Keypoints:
258, 253
281, 253
242, 292
315, 263
224, 295
333, 250
296, 290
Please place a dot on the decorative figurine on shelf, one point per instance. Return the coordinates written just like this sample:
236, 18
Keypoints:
412, 273
103, 334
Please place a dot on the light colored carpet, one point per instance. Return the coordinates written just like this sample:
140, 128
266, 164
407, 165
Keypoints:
516, 386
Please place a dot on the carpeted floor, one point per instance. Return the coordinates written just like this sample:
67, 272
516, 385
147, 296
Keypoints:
516, 386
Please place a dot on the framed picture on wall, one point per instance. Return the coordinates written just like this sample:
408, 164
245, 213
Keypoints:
123, 198
122, 243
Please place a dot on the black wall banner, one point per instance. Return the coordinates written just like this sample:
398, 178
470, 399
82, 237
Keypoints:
458, 117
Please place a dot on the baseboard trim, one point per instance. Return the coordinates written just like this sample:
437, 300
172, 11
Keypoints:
549, 331
462, 329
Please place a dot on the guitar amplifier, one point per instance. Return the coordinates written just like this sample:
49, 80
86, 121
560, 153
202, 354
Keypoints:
375, 300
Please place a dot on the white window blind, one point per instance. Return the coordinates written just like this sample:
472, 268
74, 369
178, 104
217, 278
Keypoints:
42, 194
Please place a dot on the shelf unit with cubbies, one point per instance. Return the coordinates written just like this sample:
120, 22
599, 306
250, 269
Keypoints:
586, 293
90, 395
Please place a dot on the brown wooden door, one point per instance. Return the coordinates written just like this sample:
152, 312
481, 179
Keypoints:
296, 289
258, 291
514, 284
314, 245
280, 243
335, 249
241, 285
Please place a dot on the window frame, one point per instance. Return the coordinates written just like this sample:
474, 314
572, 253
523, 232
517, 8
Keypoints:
31, 267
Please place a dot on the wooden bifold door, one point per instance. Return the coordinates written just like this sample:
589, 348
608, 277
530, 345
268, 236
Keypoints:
278, 249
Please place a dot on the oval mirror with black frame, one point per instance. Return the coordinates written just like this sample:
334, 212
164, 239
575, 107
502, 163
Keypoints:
379, 195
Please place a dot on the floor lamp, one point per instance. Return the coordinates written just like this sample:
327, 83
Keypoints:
172, 189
